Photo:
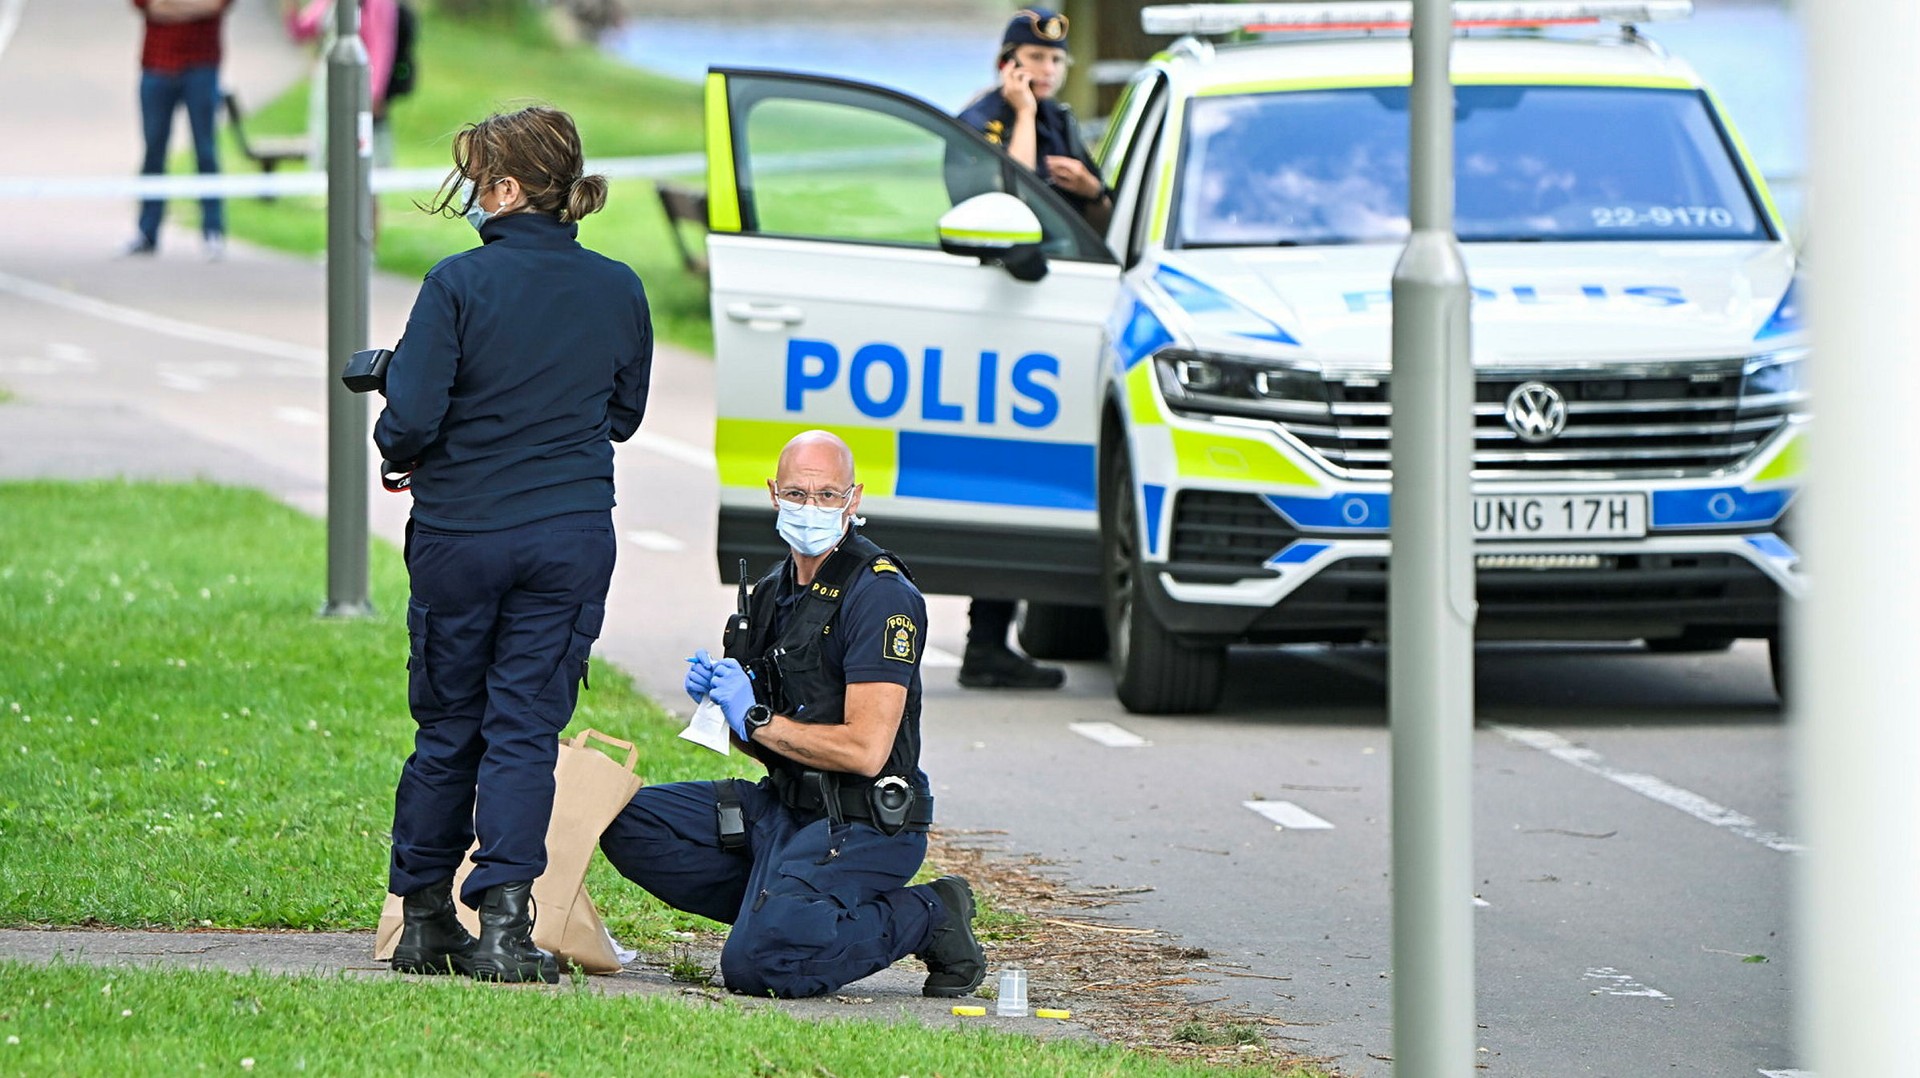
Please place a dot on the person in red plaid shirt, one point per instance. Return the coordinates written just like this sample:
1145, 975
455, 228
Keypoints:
180, 65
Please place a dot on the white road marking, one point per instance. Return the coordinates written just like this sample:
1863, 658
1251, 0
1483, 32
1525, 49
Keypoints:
1287, 815
659, 542
186, 383
1109, 734
673, 449
153, 323
313, 361
72, 354
1786, 1074
939, 658
1481, 903
305, 417
1615, 983
1648, 786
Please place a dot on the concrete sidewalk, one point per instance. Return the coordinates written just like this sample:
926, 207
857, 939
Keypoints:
891, 995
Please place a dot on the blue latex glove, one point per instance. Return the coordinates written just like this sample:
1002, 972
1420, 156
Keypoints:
699, 675
733, 691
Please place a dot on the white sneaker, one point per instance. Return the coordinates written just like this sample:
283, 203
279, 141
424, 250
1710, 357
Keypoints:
139, 245
215, 247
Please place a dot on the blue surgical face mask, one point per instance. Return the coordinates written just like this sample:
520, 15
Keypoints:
809, 529
476, 214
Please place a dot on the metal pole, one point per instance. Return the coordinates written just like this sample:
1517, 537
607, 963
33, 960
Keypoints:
1431, 604
1853, 714
349, 278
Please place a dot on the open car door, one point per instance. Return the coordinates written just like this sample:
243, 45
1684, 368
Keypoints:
969, 395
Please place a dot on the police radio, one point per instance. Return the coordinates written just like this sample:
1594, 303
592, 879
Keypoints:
739, 627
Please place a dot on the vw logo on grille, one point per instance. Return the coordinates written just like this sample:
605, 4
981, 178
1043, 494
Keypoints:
1536, 412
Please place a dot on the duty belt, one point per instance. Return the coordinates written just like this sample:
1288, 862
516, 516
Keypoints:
821, 793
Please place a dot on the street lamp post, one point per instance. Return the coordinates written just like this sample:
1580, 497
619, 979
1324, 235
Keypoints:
1431, 604
349, 278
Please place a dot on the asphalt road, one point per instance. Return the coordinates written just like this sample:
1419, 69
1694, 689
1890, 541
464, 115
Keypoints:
1631, 814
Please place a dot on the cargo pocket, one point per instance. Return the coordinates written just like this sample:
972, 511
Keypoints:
420, 694
573, 671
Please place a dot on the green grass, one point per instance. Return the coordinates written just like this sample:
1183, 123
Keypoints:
184, 742
73, 1020
468, 70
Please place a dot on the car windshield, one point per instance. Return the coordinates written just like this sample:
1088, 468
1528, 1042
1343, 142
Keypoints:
1532, 163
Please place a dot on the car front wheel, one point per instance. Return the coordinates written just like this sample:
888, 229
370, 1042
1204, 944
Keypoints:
1154, 672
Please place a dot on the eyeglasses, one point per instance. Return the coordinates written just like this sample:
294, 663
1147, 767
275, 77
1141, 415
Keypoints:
825, 499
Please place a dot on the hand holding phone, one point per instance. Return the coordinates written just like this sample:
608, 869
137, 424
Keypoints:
1016, 85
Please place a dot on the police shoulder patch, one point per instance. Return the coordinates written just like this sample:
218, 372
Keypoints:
882, 565
901, 641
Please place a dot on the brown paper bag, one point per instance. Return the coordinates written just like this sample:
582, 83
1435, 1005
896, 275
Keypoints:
589, 790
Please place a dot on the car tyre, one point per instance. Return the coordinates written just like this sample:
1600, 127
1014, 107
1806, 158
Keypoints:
1063, 632
1154, 672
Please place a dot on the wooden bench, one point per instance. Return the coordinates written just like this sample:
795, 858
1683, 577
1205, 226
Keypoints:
265, 151
685, 206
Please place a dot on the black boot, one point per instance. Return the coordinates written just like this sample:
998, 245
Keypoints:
432, 939
990, 666
955, 962
505, 950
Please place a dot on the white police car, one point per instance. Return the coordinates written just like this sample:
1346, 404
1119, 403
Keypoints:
1177, 437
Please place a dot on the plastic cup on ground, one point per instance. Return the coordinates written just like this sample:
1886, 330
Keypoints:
1012, 1001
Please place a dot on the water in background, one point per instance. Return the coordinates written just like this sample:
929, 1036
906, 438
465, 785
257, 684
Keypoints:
945, 64
1750, 54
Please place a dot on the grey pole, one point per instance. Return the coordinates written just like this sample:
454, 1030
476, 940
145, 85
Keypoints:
349, 277
1431, 603
1853, 715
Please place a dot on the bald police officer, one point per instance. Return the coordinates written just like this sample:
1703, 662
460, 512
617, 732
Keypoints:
822, 685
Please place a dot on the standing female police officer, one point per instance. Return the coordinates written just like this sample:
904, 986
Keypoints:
523, 360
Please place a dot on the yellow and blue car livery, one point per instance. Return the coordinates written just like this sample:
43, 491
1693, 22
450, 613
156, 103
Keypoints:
1182, 431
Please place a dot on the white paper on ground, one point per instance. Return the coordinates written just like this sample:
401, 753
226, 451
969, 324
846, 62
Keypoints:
620, 954
708, 727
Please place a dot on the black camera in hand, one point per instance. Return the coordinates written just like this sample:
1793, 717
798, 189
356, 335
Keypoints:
367, 371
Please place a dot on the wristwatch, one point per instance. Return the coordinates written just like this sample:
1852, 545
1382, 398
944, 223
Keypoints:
758, 715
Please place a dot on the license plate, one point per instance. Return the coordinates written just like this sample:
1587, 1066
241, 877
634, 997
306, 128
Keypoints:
1559, 516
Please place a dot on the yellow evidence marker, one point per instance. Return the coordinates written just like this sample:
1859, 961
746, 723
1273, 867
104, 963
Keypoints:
970, 1012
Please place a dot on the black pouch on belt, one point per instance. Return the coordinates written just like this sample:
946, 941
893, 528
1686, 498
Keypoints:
732, 818
891, 800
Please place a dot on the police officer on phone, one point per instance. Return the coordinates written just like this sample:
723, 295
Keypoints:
821, 683
1022, 115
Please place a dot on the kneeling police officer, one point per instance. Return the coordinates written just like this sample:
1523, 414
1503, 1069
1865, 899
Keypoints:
821, 683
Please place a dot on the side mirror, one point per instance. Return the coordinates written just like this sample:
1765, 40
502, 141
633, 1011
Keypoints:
995, 228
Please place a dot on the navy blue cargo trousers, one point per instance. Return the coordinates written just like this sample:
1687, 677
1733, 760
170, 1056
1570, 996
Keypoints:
813, 905
500, 626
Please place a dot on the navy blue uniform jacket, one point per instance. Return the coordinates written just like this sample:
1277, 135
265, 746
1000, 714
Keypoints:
1055, 134
524, 360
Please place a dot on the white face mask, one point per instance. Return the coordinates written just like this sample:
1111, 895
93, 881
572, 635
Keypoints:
809, 529
476, 214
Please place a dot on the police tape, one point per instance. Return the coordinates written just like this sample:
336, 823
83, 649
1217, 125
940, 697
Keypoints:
279, 184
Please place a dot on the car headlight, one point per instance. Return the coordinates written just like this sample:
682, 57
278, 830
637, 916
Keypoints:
1775, 378
1217, 384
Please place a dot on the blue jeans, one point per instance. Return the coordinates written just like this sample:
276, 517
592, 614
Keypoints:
500, 625
161, 92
